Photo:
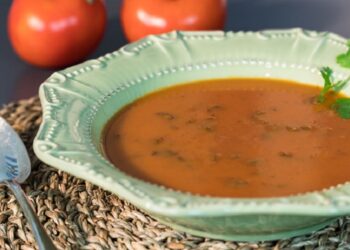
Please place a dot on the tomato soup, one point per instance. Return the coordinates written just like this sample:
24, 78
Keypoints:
232, 138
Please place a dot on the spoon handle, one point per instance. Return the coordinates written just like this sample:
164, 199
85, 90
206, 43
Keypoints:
43, 240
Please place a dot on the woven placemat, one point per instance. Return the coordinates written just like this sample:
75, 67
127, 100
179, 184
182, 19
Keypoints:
79, 215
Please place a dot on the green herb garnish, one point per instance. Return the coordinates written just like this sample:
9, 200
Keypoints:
326, 73
329, 84
340, 105
344, 59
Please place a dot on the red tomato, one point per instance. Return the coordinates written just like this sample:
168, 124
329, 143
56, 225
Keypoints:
143, 17
56, 33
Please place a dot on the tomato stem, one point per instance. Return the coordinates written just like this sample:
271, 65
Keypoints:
90, 1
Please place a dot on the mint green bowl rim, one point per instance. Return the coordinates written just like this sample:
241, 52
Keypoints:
334, 201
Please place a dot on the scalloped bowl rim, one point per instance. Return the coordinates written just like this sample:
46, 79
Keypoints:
321, 202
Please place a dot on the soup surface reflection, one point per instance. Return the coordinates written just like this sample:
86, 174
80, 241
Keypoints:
232, 138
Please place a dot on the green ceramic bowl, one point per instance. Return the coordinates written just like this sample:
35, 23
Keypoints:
78, 102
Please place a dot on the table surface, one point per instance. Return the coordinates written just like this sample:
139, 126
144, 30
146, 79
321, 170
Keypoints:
19, 80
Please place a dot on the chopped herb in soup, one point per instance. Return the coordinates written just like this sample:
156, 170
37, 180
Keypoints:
232, 138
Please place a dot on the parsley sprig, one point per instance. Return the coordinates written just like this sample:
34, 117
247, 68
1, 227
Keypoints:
329, 84
340, 105
344, 59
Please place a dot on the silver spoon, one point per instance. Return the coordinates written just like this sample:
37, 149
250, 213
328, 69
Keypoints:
15, 168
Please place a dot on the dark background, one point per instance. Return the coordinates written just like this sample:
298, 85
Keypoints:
20, 80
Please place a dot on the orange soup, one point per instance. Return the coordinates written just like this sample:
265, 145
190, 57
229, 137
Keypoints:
232, 138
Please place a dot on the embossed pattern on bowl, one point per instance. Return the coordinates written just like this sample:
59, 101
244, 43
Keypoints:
78, 101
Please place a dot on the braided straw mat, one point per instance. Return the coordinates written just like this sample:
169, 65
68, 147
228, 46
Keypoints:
79, 215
